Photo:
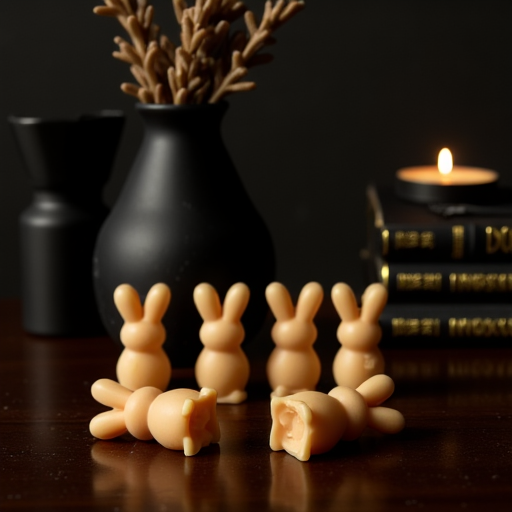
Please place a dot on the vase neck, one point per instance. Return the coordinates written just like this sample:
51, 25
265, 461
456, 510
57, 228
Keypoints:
201, 120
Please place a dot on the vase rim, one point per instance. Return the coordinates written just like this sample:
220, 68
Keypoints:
91, 116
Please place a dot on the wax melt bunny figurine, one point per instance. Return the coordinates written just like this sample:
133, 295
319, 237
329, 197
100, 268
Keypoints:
310, 422
359, 333
293, 365
222, 364
143, 362
180, 419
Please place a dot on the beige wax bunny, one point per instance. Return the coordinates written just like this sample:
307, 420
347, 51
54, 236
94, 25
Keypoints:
359, 333
180, 419
293, 365
310, 422
143, 362
222, 364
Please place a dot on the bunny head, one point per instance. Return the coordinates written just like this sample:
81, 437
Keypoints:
294, 327
222, 328
359, 329
143, 327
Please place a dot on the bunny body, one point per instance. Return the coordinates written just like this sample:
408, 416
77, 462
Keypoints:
359, 333
231, 381
310, 422
291, 371
143, 361
222, 364
180, 419
352, 367
293, 365
136, 369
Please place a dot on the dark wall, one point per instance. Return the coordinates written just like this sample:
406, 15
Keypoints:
358, 89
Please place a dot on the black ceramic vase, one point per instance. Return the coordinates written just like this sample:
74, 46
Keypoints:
183, 217
68, 163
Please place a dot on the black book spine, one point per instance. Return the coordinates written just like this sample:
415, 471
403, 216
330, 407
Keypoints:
462, 282
399, 231
460, 242
447, 321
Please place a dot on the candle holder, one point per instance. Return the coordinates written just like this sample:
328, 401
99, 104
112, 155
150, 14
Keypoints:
419, 185
446, 183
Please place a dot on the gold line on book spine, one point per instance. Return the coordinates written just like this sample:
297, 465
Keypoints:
385, 242
457, 242
384, 275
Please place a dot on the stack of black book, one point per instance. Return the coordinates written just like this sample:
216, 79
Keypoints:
448, 271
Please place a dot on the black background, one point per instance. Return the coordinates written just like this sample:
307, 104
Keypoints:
358, 88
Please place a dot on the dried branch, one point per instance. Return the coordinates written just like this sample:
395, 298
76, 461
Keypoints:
210, 62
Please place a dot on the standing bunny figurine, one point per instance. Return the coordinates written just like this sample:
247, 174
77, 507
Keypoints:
293, 365
222, 364
143, 362
359, 333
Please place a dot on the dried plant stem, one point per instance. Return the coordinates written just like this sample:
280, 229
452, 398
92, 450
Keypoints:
210, 63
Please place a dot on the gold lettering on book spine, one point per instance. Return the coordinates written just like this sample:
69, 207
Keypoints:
457, 242
480, 282
414, 240
498, 240
430, 327
480, 327
418, 281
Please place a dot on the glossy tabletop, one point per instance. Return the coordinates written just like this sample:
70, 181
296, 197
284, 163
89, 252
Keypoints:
454, 454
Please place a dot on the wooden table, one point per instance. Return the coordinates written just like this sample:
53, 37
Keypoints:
455, 453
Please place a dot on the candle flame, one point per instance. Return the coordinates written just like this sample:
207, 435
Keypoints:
445, 161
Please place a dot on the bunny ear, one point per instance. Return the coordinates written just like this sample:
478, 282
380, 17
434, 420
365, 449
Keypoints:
345, 302
157, 302
128, 303
235, 302
376, 389
385, 420
110, 393
207, 302
280, 301
373, 301
309, 301
108, 425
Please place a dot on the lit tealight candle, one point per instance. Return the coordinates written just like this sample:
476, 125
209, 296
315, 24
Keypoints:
446, 182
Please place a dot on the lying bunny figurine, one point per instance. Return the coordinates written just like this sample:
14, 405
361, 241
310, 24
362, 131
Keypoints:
180, 419
310, 422
359, 333
143, 362
222, 364
293, 365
